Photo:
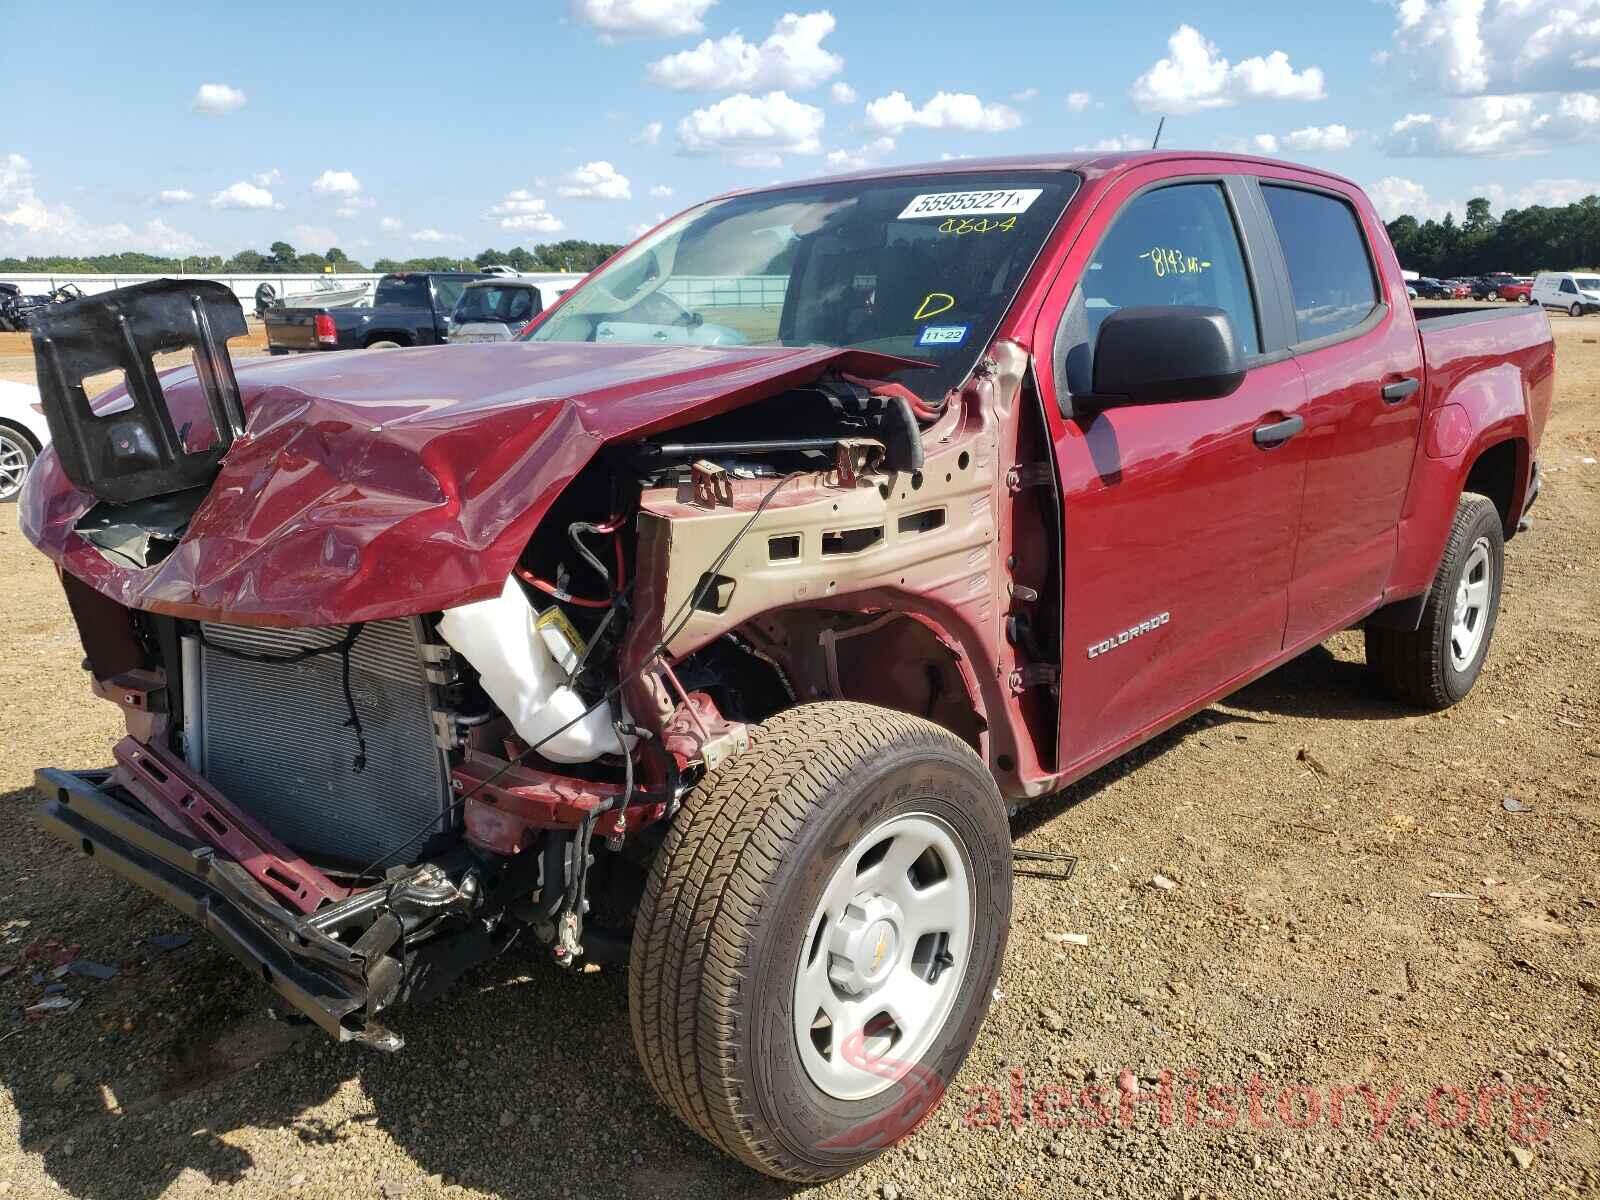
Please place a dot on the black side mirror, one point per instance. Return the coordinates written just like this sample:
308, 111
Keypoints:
1163, 353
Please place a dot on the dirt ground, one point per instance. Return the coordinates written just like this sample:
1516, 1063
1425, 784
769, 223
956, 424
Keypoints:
1344, 899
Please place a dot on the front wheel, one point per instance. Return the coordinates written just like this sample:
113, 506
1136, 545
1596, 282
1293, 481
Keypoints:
1575, 311
820, 938
1436, 664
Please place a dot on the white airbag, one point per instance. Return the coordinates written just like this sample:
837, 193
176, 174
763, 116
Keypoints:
518, 671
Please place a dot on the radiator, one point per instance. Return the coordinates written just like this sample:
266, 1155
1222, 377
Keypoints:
274, 738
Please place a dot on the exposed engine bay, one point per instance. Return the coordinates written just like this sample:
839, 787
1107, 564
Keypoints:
399, 796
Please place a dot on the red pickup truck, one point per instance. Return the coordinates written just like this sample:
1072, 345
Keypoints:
753, 588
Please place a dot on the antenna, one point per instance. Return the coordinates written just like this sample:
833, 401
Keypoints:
1157, 142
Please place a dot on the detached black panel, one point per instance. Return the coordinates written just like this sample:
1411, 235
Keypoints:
137, 452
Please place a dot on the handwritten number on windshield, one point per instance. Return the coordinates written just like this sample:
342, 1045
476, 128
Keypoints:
1167, 261
960, 225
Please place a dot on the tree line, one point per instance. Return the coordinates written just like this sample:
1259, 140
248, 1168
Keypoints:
282, 258
1523, 241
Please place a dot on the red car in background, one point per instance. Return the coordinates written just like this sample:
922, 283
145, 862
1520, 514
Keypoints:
1520, 290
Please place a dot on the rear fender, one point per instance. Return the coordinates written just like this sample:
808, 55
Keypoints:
1485, 409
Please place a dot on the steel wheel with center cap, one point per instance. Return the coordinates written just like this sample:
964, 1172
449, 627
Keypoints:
1469, 618
1436, 664
820, 937
16, 460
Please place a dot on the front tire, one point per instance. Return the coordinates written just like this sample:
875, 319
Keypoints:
1436, 664
856, 862
1575, 311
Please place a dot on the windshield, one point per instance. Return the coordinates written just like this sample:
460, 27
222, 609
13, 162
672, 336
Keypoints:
1589, 283
920, 266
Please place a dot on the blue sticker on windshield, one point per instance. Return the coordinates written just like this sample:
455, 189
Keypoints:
942, 335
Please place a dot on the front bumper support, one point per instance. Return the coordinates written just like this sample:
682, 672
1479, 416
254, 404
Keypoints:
336, 985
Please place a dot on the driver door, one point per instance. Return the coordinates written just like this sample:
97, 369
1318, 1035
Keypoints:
1179, 520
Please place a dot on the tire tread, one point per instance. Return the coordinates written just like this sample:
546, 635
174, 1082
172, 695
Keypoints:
703, 904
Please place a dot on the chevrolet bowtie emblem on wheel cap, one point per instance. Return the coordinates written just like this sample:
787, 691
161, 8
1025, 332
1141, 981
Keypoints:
1096, 649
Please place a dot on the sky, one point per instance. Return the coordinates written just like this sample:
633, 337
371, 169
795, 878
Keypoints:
397, 129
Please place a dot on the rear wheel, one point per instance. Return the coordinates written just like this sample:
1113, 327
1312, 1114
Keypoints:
1436, 664
384, 344
16, 460
820, 938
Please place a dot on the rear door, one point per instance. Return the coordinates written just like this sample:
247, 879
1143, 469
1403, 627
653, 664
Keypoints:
1178, 522
1362, 361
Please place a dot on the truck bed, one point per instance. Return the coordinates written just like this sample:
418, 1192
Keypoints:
1461, 340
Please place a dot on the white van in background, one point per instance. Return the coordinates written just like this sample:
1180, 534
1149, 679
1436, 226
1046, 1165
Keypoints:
1572, 292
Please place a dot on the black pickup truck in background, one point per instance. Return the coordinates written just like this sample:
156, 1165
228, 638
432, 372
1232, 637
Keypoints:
409, 309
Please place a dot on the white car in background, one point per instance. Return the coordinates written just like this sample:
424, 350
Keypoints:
23, 433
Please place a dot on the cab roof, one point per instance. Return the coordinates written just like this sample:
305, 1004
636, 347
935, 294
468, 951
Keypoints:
1088, 163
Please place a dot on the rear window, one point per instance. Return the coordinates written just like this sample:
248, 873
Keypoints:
403, 289
1330, 273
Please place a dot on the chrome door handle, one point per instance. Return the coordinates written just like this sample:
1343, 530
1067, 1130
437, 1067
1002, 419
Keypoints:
1278, 432
1397, 391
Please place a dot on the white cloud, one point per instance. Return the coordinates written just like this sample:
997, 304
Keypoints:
1194, 76
391, 224
791, 58
947, 110
434, 236
1546, 192
1321, 138
1498, 127
524, 212
842, 93
1024, 95
595, 181
29, 225
650, 135
244, 195
644, 227
176, 195
863, 156
314, 235
355, 205
1471, 48
218, 99
1394, 196
641, 18
1313, 139
336, 183
754, 130
1078, 101
661, 191
1126, 141
268, 178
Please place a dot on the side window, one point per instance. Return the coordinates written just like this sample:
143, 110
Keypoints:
1330, 273
1174, 245
1568, 286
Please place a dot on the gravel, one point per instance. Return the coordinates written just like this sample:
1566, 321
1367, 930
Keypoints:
1300, 949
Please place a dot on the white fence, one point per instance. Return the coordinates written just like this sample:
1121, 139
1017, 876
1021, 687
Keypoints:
714, 291
244, 286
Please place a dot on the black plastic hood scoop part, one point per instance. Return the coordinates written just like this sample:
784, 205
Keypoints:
132, 449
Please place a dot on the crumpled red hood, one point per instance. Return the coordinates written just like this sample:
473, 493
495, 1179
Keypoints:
385, 483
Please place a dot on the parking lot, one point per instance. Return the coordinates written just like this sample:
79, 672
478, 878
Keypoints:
1301, 891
